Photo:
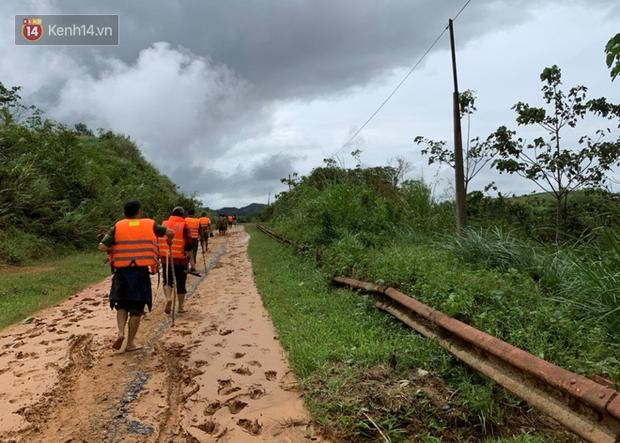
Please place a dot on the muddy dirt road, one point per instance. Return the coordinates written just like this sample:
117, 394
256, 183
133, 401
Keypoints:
217, 374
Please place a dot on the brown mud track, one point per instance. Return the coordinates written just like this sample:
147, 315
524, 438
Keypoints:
217, 374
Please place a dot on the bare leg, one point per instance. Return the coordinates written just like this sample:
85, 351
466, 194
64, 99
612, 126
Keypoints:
181, 299
134, 323
121, 321
168, 293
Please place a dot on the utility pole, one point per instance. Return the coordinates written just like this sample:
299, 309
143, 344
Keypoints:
459, 175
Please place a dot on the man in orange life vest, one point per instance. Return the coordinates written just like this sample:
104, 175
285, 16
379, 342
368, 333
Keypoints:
180, 247
194, 228
205, 229
132, 246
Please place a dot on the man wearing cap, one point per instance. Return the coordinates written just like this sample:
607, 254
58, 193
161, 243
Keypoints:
132, 247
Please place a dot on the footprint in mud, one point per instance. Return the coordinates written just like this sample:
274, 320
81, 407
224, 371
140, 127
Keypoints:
224, 383
235, 406
201, 363
210, 427
247, 345
255, 363
229, 390
19, 344
212, 408
230, 365
239, 354
271, 375
226, 331
256, 391
251, 426
243, 370
219, 344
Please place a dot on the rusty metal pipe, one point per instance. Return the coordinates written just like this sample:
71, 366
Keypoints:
554, 390
601, 399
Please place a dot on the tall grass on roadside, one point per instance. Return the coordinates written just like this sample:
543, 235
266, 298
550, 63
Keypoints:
494, 248
593, 287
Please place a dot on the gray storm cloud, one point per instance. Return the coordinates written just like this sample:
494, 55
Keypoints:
181, 107
203, 86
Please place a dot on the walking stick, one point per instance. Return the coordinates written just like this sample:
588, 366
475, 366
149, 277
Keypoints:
174, 286
204, 250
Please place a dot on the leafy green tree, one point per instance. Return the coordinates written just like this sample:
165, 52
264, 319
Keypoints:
553, 164
477, 154
612, 52
82, 129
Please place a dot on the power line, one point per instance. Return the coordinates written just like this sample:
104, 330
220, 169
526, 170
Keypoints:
404, 79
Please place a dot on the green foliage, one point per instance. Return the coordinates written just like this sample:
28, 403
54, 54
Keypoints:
612, 56
365, 203
25, 291
545, 161
592, 287
350, 357
477, 154
488, 277
59, 186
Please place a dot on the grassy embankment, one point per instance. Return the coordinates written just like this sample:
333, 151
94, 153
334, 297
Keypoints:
356, 363
23, 291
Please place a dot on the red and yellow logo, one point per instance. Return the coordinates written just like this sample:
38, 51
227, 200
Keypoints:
32, 29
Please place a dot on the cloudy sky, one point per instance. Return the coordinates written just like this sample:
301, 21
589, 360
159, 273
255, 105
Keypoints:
227, 97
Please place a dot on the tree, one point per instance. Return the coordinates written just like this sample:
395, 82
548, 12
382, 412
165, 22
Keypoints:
545, 161
477, 154
612, 52
82, 129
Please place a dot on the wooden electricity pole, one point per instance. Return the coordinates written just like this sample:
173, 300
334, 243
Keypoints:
459, 175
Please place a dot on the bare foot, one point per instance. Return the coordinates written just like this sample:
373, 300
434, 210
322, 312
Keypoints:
118, 343
131, 348
168, 307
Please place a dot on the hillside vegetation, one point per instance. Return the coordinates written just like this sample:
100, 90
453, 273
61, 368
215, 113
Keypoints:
59, 186
559, 303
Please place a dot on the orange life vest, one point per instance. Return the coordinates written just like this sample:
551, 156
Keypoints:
135, 243
194, 225
204, 222
177, 225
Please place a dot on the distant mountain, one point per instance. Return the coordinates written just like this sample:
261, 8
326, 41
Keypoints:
249, 210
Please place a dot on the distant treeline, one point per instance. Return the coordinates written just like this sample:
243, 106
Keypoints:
59, 186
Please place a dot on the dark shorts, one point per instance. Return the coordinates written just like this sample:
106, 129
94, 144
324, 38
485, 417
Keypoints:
180, 277
131, 289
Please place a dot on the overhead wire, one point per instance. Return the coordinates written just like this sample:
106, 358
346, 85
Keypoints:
401, 82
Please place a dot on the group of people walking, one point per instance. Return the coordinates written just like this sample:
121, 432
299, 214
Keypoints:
137, 247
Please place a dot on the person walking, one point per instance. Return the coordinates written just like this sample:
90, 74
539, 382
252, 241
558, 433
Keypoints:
132, 247
204, 224
174, 259
194, 228
222, 225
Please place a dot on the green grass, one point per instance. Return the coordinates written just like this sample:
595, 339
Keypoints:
351, 358
23, 292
